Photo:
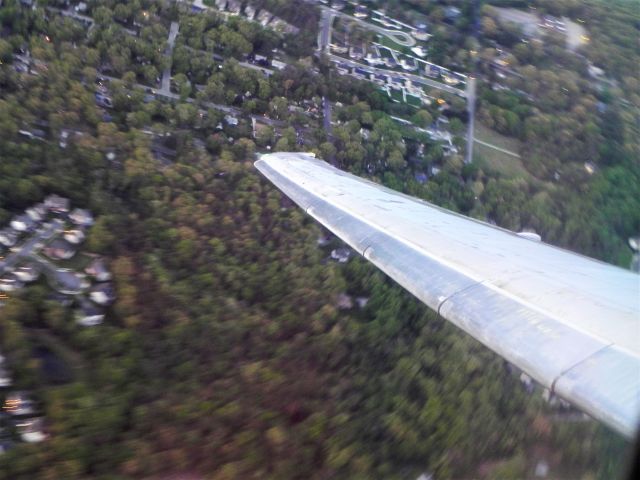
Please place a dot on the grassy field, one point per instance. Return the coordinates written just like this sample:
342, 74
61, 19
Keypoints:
494, 138
388, 42
494, 160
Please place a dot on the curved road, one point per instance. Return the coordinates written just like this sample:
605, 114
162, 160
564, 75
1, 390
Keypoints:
401, 38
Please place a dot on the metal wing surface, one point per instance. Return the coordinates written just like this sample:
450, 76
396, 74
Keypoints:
570, 322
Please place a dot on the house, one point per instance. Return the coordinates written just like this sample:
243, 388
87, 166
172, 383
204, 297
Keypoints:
342, 255
337, 4
408, 63
103, 100
68, 282
10, 283
264, 17
390, 62
421, 33
344, 302
420, 177
8, 237
250, 12
64, 137
19, 403
356, 53
103, 294
362, 301
380, 79
323, 240
221, 5
261, 60
57, 204
23, 223
595, 72
59, 249
527, 382
231, 120
373, 58
433, 70
37, 212
542, 469
27, 273
361, 11
82, 217
452, 13
98, 270
278, 64
81, 7
74, 236
341, 49
343, 68
31, 430
234, 7
87, 314
5, 378
419, 51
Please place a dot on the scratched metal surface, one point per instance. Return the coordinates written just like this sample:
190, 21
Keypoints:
571, 322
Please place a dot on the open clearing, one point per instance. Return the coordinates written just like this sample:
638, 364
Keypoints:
495, 160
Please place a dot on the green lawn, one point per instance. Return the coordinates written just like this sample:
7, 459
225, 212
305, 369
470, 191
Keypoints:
396, 95
494, 138
414, 101
494, 160
390, 43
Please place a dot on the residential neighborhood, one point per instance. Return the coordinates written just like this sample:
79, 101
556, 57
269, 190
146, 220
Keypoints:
45, 244
42, 242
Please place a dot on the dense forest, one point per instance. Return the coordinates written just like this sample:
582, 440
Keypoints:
228, 353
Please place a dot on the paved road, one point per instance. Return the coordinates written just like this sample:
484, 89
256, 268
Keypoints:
215, 106
326, 21
266, 71
30, 245
471, 86
72, 14
166, 74
326, 116
401, 38
471, 123
409, 76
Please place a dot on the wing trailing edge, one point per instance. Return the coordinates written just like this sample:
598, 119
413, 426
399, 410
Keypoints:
570, 322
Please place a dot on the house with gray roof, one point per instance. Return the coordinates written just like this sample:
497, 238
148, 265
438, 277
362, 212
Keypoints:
88, 314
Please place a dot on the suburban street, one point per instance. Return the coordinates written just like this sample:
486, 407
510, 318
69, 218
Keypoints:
326, 115
471, 88
417, 79
166, 74
30, 245
471, 108
326, 22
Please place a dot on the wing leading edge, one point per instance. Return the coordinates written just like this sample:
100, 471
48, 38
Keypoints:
570, 322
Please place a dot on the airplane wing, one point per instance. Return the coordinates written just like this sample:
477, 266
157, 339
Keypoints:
570, 322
